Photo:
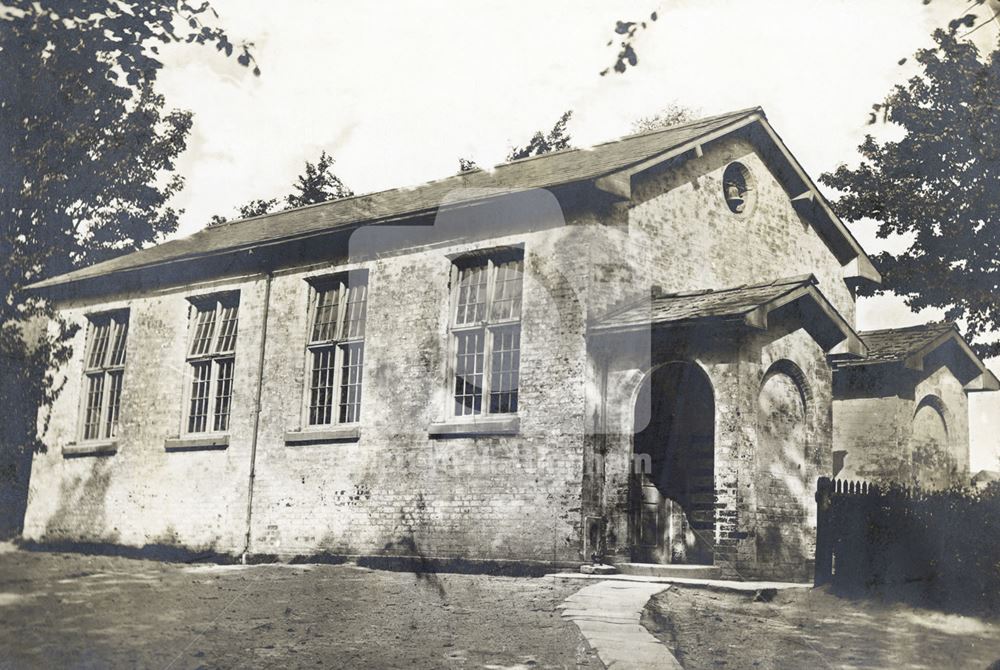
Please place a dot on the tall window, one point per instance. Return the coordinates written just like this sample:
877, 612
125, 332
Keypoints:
211, 355
486, 332
103, 370
337, 348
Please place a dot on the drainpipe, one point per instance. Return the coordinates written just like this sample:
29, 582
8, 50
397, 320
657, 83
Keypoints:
256, 412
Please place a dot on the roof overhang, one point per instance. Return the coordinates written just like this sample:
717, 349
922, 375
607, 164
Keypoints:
804, 302
984, 381
806, 198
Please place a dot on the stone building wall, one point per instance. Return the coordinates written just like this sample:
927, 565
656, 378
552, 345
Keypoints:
685, 237
144, 495
875, 414
396, 490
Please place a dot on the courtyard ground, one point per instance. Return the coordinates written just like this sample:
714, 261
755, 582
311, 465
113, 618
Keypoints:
71, 610
810, 628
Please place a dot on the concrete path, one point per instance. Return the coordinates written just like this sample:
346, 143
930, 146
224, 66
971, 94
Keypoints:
608, 613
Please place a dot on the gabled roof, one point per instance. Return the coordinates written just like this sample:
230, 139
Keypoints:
748, 304
910, 347
609, 165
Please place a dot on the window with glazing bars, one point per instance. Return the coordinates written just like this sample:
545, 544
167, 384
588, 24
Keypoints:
337, 348
211, 356
486, 332
104, 367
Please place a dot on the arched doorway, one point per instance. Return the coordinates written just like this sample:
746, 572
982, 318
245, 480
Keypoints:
783, 481
673, 474
934, 466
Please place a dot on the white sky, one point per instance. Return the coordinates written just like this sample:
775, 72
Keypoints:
397, 91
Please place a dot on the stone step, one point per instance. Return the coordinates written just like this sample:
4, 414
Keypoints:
670, 570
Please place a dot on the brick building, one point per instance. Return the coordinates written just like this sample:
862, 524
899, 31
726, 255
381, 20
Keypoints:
631, 349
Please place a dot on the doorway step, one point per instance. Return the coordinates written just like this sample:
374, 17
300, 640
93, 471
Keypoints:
675, 570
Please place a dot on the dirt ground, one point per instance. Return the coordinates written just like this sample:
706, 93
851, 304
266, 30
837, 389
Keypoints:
810, 628
69, 610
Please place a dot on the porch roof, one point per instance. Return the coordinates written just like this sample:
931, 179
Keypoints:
911, 346
747, 304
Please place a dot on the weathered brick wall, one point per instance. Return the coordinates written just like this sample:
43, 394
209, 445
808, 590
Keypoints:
941, 384
793, 449
682, 237
142, 494
686, 238
874, 419
397, 490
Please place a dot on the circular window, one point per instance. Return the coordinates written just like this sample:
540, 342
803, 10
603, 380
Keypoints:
738, 188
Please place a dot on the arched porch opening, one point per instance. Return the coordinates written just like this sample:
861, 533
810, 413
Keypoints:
673, 467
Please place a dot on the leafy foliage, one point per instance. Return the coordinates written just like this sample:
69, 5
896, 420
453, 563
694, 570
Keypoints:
540, 143
668, 117
87, 155
466, 165
937, 186
626, 54
317, 184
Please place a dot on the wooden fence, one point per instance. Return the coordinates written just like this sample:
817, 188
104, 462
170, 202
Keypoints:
939, 547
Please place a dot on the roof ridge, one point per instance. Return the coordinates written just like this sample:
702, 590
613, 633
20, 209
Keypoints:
518, 161
687, 124
920, 326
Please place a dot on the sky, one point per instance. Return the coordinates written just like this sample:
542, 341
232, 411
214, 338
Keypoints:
397, 91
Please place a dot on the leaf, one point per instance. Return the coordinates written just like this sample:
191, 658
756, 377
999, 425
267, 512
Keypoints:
653, 16
623, 27
630, 55
243, 59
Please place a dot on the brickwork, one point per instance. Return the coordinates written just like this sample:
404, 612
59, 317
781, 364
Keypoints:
398, 489
874, 412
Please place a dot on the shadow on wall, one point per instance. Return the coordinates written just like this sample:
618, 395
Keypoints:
785, 535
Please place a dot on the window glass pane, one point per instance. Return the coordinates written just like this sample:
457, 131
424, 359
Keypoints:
204, 327
227, 329
321, 386
118, 349
507, 290
469, 373
198, 414
223, 393
354, 314
471, 295
100, 334
114, 403
352, 357
505, 369
325, 317
95, 395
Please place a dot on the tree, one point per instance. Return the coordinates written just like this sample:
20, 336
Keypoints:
317, 184
668, 117
937, 186
540, 143
87, 157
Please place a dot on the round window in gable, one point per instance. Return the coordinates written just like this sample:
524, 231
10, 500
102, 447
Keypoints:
738, 188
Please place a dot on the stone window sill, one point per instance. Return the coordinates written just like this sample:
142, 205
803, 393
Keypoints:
348, 433
105, 448
196, 443
480, 426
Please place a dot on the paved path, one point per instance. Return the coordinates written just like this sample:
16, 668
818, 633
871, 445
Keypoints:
608, 613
